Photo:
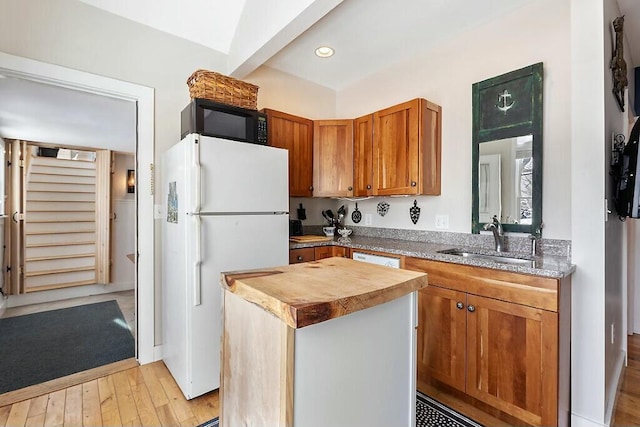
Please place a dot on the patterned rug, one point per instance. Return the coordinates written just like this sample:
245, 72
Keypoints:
429, 413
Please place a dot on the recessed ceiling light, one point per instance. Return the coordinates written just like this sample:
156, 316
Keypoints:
324, 51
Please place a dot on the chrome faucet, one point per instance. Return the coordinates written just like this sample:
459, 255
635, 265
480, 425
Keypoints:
498, 234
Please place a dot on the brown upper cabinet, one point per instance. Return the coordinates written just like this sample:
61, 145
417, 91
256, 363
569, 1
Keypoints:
406, 149
395, 151
363, 156
296, 135
333, 158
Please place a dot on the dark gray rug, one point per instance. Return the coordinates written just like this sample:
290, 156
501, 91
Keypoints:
429, 413
39, 347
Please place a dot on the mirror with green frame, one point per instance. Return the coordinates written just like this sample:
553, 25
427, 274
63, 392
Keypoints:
507, 151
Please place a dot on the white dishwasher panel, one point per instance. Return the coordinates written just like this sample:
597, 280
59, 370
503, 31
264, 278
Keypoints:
376, 259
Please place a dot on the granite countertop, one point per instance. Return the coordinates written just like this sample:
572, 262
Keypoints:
542, 265
305, 294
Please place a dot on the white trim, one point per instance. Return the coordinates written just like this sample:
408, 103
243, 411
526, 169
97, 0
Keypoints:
578, 421
66, 293
144, 96
612, 394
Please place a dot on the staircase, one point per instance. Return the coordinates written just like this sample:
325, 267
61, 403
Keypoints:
59, 223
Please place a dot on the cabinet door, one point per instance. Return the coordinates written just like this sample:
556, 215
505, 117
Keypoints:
321, 252
407, 149
333, 158
441, 336
296, 135
340, 251
395, 149
512, 358
363, 156
301, 255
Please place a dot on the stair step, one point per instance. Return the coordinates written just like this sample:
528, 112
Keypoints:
59, 271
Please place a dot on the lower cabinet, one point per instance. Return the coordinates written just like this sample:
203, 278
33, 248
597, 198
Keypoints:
500, 338
317, 253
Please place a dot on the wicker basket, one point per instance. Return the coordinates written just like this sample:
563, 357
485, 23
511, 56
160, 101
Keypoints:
220, 88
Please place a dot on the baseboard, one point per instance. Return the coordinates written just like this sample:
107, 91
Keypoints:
66, 293
615, 387
4, 303
157, 353
578, 421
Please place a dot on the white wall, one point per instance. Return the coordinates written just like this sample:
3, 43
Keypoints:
615, 121
587, 219
445, 76
123, 225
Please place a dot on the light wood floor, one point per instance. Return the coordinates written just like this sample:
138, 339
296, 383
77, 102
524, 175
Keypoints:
142, 396
627, 411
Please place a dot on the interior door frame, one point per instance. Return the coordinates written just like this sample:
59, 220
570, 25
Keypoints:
144, 97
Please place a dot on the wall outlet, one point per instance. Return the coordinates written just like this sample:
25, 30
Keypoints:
367, 219
442, 222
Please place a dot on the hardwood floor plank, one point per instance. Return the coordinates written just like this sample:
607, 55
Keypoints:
126, 404
627, 410
38, 406
55, 409
146, 409
35, 421
158, 396
191, 422
176, 399
135, 377
73, 406
18, 414
205, 406
108, 402
4, 414
166, 415
91, 415
65, 382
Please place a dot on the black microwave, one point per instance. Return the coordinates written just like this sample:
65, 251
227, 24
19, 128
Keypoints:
211, 118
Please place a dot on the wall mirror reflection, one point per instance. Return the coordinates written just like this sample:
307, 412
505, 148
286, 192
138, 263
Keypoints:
507, 151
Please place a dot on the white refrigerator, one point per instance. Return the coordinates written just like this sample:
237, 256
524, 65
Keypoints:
226, 209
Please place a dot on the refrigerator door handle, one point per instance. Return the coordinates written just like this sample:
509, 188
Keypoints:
197, 170
197, 289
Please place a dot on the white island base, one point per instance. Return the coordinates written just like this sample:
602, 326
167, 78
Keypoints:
354, 370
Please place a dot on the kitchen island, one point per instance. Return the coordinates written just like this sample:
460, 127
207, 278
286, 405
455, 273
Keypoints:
330, 342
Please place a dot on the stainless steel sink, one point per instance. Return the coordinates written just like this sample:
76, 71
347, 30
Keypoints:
487, 257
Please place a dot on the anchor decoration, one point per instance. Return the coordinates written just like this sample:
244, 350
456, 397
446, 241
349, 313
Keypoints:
414, 212
505, 102
383, 208
356, 216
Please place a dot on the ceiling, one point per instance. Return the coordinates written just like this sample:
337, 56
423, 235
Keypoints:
367, 35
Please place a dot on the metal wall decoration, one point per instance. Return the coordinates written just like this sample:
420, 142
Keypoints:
414, 212
383, 208
356, 216
618, 64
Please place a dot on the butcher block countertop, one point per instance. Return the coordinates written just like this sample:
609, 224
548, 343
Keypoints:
305, 294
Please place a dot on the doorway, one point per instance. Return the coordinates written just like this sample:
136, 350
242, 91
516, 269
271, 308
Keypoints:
143, 98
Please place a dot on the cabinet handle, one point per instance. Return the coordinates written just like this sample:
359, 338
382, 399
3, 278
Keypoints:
368, 187
413, 183
460, 305
349, 188
471, 308
311, 188
300, 258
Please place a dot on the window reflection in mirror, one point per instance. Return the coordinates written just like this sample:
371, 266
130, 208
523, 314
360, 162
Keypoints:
505, 180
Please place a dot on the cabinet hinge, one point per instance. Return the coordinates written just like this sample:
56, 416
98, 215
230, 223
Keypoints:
21, 163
